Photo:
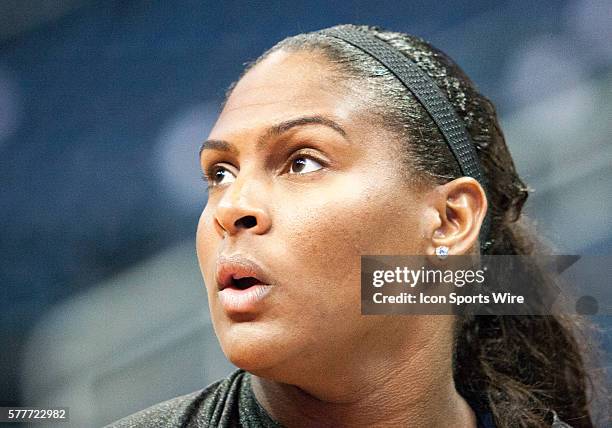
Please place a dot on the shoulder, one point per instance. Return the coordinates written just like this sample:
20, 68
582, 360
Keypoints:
179, 411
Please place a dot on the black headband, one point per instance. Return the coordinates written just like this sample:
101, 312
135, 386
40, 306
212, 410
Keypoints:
431, 98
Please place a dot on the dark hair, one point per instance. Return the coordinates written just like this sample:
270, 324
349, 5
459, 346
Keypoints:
519, 367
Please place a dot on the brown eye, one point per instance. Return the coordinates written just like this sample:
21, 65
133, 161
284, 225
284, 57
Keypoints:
304, 165
220, 175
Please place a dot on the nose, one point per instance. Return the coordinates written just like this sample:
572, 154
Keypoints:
240, 209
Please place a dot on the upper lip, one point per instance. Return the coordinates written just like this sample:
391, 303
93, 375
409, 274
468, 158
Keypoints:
235, 267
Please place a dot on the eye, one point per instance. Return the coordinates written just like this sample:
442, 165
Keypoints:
219, 175
303, 165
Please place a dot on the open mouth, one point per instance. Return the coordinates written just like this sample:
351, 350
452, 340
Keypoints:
239, 273
244, 283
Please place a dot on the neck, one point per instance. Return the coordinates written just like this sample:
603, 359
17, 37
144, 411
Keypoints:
414, 388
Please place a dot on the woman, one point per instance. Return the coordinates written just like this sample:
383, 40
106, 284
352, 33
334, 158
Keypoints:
322, 154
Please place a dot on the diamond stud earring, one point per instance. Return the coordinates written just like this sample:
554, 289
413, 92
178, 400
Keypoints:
442, 252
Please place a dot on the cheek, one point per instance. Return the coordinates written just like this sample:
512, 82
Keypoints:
327, 229
206, 244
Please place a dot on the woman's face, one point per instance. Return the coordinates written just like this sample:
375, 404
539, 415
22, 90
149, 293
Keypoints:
303, 183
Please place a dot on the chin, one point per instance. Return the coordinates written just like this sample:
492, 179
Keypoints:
254, 347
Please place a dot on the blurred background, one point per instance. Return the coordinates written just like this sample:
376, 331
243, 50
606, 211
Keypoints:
102, 109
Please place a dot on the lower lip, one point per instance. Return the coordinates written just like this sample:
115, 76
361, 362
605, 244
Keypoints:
247, 300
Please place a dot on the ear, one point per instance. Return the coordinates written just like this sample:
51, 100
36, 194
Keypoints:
458, 210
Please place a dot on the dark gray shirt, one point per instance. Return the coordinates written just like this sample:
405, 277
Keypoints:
229, 402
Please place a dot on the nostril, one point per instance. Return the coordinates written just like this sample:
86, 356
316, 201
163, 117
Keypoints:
247, 222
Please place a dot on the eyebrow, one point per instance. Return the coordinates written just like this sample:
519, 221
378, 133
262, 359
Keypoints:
219, 145
274, 131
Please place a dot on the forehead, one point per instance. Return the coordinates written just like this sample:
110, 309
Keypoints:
283, 86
